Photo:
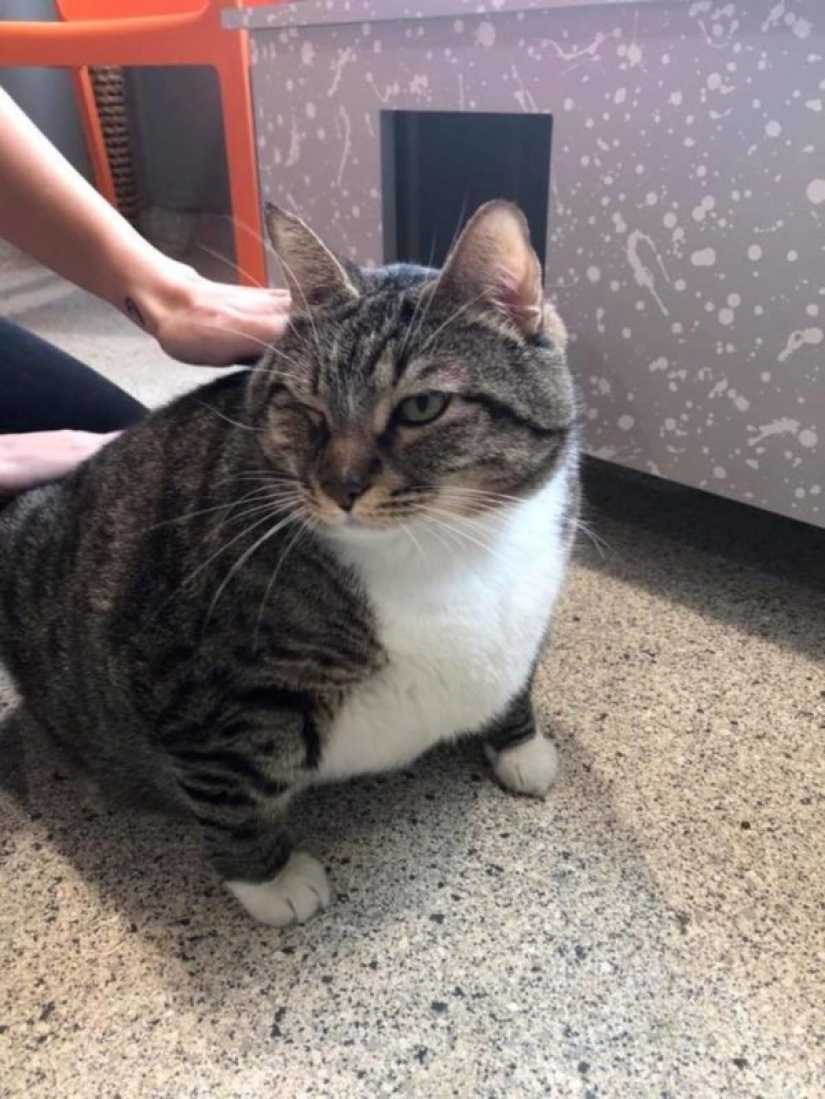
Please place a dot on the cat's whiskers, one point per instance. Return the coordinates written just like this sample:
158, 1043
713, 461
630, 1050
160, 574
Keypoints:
488, 507
397, 506
458, 525
487, 493
212, 557
218, 507
476, 522
263, 478
500, 500
602, 547
304, 525
268, 348
233, 332
274, 505
483, 511
433, 532
407, 529
269, 495
244, 557
480, 519
444, 535
281, 375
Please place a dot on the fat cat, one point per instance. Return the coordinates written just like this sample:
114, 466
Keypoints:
317, 568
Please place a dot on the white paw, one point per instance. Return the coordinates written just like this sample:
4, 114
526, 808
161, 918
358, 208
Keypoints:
293, 895
528, 768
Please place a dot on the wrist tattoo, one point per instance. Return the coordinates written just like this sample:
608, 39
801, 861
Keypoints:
132, 312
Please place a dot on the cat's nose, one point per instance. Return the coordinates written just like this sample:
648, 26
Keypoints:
345, 492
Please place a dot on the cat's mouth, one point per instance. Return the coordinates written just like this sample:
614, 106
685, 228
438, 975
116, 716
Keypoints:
350, 521
375, 514
378, 508
360, 520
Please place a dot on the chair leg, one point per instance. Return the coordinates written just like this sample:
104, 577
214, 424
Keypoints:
239, 135
90, 122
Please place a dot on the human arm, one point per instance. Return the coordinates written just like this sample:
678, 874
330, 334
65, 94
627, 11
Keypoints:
50, 212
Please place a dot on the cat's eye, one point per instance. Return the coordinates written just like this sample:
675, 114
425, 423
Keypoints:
423, 408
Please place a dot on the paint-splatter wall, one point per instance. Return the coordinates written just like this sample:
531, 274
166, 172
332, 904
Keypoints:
686, 235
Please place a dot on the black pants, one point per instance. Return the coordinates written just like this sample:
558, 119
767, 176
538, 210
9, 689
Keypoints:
44, 389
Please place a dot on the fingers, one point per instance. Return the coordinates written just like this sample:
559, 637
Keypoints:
218, 324
34, 458
265, 328
264, 302
249, 296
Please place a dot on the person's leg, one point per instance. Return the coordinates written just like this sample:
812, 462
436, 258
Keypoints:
44, 389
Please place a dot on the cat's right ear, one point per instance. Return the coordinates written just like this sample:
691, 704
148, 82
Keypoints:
314, 276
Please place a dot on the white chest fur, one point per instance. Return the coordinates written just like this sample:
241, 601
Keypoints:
462, 620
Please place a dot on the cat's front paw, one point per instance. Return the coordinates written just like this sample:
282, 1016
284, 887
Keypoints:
527, 768
293, 896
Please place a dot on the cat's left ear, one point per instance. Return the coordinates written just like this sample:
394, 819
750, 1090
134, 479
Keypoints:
493, 264
313, 274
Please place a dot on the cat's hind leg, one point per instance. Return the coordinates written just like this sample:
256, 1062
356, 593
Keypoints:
522, 758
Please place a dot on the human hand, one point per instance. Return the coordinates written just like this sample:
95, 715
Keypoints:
54, 215
208, 323
36, 457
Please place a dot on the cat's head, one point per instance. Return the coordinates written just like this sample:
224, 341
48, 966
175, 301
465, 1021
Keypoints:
403, 392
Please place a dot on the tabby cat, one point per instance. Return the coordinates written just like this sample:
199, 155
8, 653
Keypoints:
317, 568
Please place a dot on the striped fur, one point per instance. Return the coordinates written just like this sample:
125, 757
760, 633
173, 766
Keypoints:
194, 617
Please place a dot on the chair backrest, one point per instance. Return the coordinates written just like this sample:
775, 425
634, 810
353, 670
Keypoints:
72, 11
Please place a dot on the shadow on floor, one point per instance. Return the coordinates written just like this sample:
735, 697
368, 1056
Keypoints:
400, 845
397, 847
760, 573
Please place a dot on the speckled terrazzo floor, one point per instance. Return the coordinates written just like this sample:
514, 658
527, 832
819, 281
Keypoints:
654, 929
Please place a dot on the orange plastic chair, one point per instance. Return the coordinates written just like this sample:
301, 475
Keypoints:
157, 32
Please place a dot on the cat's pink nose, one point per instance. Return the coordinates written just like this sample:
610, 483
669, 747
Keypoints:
345, 492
